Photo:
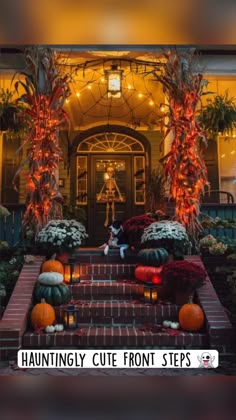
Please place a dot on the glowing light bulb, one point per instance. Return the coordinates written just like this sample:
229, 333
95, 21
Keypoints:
162, 108
129, 87
222, 156
67, 101
102, 79
232, 153
78, 94
140, 95
151, 103
89, 87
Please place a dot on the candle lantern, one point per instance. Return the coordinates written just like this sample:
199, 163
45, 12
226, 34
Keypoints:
71, 317
72, 271
150, 293
114, 77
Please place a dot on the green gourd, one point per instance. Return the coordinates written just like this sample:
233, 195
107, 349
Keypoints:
153, 256
54, 295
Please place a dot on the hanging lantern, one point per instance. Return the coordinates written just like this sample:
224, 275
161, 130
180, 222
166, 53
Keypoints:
72, 271
114, 77
71, 317
150, 293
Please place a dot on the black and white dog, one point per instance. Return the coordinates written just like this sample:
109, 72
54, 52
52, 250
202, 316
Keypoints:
116, 239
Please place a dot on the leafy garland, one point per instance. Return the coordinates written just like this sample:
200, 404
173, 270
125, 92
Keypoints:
184, 166
45, 91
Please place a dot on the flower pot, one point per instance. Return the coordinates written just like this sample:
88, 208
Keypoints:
204, 250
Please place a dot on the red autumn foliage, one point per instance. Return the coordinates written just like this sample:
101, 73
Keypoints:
134, 228
182, 276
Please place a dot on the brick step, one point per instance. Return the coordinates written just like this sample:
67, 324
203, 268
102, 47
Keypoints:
121, 312
101, 290
106, 271
96, 255
112, 336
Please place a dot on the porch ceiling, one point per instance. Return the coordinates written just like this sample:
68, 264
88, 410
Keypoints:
89, 105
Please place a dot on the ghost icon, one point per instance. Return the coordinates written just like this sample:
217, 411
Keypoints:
206, 360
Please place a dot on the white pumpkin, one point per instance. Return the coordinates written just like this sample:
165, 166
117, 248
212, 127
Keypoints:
50, 329
51, 278
174, 325
166, 323
59, 327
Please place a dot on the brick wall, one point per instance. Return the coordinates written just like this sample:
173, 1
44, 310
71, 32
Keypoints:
15, 317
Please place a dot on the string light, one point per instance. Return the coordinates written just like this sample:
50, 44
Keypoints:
78, 94
162, 108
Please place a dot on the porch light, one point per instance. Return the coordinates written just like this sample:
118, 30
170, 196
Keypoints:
71, 317
150, 293
114, 77
72, 271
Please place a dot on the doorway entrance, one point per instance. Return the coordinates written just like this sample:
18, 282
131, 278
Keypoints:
111, 176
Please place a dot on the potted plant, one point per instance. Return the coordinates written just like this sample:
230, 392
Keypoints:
181, 278
206, 242
134, 227
219, 115
62, 236
218, 248
167, 234
155, 191
9, 118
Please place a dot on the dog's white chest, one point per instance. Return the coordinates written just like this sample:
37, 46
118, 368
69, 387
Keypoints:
113, 241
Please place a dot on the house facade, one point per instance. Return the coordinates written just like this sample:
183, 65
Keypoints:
116, 138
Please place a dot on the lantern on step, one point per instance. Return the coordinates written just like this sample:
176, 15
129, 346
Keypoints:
150, 293
71, 317
72, 271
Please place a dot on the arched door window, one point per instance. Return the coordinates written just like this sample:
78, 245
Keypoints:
112, 144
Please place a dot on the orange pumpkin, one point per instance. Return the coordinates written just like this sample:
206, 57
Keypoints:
145, 273
42, 315
52, 265
191, 317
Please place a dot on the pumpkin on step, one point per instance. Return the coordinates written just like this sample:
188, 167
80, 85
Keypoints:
145, 273
153, 256
55, 295
50, 278
52, 265
42, 315
191, 317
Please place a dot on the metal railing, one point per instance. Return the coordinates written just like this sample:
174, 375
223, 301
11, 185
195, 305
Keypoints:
10, 226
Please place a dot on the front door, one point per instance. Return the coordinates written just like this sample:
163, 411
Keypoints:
111, 192
110, 180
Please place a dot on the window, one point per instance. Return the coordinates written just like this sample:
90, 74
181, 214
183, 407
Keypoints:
227, 165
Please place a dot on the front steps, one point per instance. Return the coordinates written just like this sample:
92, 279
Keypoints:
112, 314
114, 337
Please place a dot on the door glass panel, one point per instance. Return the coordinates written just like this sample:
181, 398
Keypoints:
139, 180
82, 180
110, 180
